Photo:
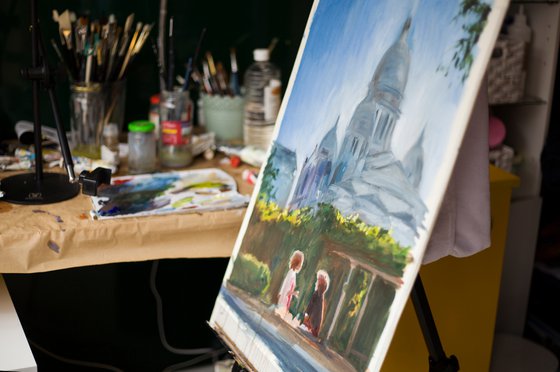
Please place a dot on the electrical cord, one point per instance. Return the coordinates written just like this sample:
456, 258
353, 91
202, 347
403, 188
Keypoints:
161, 328
207, 353
74, 361
194, 361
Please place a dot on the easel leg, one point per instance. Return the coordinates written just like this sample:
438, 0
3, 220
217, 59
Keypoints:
439, 362
237, 368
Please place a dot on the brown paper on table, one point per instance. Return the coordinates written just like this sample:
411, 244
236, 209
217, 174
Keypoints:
55, 236
30, 235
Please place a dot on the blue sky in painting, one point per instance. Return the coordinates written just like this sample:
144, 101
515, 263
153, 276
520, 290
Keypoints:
344, 46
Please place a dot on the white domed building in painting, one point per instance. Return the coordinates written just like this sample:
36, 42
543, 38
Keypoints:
367, 179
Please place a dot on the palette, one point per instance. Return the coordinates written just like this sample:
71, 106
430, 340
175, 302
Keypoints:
171, 192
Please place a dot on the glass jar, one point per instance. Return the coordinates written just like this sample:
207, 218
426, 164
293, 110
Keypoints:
110, 145
87, 111
141, 147
175, 139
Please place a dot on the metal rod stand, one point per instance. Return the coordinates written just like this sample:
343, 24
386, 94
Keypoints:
439, 362
41, 187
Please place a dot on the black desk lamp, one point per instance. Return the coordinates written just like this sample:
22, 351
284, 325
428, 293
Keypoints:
40, 187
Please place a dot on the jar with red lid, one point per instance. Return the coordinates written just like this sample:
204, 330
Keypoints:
175, 114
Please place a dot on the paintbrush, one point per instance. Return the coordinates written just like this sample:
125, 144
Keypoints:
89, 61
221, 76
195, 76
112, 54
126, 34
198, 45
212, 73
142, 38
65, 29
192, 61
124, 45
188, 71
161, 68
81, 36
170, 56
272, 45
62, 60
130, 49
81, 32
206, 78
234, 77
135, 46
94, 37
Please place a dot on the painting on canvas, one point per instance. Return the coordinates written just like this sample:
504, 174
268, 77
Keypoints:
365, 143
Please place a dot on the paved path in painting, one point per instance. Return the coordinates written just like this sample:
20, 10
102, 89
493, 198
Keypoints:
295, 350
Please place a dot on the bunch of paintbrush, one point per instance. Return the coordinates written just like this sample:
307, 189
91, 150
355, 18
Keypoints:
215, 79
166, 61
98, 50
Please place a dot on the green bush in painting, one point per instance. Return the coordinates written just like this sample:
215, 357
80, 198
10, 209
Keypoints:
250, 275
325, 222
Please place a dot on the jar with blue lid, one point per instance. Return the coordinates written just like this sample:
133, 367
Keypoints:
141, 147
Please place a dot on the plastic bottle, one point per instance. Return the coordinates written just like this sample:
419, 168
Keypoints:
519, 29
110, 145
141, 147
262, 97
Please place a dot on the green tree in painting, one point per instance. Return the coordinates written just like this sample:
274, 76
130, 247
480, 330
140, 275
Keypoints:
270, 173
475, 14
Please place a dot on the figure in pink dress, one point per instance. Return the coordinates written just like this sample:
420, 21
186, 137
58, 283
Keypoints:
288, 289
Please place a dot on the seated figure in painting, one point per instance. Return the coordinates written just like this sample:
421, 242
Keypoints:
315, 311
288, 289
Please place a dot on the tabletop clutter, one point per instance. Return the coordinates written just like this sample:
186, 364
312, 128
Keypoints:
231, 118
98, 53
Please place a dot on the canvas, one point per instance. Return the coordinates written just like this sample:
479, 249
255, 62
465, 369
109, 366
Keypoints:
163, 193
365, 144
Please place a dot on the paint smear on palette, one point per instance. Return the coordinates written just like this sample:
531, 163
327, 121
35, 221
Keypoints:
56, 217
53, 246
172, 192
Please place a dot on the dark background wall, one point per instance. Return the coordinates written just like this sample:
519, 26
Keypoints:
107, 313
244, 24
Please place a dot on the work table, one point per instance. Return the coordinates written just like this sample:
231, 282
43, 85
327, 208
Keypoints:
38, 238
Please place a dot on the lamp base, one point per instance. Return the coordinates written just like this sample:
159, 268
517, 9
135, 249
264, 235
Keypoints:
25, 189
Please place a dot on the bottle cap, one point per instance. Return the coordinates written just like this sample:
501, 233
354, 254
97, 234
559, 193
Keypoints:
520, 17
141, 126
519, 29
111, 130
261, 55
154, 99
274, 83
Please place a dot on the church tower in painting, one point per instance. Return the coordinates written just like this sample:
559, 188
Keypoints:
373, 121
316, 171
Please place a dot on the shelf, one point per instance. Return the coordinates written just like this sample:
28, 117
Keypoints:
525, 101
535, 1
